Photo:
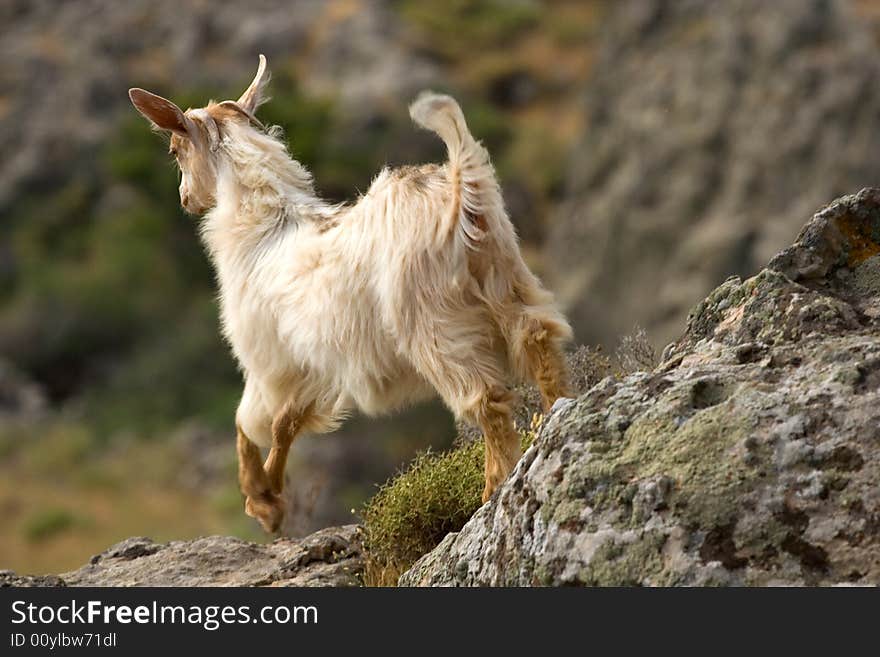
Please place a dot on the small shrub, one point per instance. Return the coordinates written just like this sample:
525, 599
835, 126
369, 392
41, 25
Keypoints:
635, 353
412, 512
587, 366
48, 523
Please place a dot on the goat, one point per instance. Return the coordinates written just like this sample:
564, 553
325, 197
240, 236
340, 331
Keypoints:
417, 289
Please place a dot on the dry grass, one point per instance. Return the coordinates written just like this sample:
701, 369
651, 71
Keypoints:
635, 353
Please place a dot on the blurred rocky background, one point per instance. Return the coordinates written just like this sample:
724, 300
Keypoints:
642, 146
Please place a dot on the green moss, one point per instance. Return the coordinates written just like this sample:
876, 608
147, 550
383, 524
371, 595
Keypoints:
691, 451
690, 455
625, 563
411, 514
567, 512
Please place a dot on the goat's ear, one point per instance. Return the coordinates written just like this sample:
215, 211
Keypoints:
253, 95
161, 112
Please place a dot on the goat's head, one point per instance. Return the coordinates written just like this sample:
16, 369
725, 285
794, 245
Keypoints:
196, 136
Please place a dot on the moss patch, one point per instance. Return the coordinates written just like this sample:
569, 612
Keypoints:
625, 563
411, 513
696, 456
690, 446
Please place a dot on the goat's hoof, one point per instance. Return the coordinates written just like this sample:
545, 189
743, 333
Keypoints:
268, 509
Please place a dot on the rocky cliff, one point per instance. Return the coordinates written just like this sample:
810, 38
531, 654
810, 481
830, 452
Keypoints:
710, 131
750, 456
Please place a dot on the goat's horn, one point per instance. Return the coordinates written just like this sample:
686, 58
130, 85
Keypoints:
251, 97
233, 105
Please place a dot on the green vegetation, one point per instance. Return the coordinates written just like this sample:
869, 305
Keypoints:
455, 26
47, 523
412, 512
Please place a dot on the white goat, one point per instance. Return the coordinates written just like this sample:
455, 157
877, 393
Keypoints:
418, 288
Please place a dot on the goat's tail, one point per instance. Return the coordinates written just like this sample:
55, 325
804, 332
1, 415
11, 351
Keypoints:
475, 189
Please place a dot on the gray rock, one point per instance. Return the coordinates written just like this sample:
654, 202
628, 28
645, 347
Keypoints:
750, 457
711, 130
9, 578
330, 557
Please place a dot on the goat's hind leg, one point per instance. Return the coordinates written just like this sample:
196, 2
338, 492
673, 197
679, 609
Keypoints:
493, 414
535, 333
542, 349
470, 376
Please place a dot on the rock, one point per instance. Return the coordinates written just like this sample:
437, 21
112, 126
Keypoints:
711, 131
330, 557
9, 578
363, 56
751, 456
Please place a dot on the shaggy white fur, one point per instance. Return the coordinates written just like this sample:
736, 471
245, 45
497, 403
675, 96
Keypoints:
417, 288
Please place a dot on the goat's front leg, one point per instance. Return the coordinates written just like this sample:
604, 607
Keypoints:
262, 503
285, 427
